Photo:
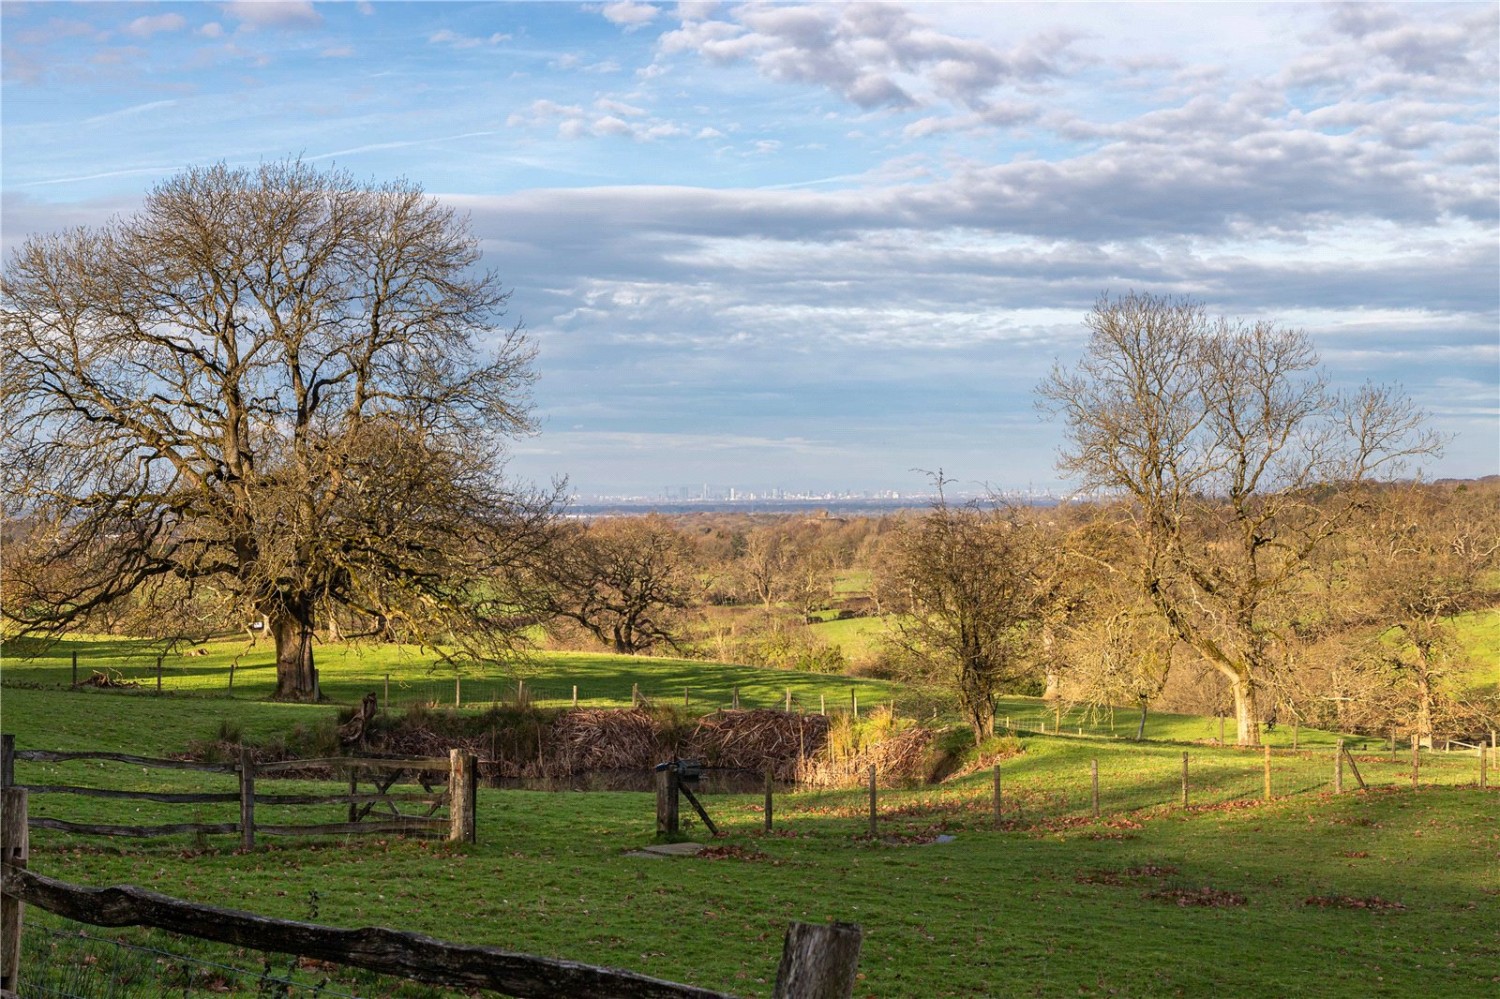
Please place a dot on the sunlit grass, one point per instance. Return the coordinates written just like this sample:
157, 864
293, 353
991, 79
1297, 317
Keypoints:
347, 671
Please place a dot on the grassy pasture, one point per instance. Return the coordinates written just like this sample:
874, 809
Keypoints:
1303, 890
347, 671
1055, 904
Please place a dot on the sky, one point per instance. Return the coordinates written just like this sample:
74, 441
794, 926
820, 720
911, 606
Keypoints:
831, 246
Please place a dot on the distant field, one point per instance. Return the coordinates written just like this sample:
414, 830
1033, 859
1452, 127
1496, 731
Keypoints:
1478, 634
859, 637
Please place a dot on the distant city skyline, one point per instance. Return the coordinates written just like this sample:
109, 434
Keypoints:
835, 245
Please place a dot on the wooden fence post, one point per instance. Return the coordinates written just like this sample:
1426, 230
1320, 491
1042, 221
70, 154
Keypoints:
818, 962
768, 798
635, 694
247, 800
460, 796
13, 852
854, 701
822, 705
1268, 773
667, 802
575, 695
789, 699
1483, 771
386, 704
1094, 779
735, 699
7, 761
1338, 768
874, 811
1184, 781
353, 790
1295, 723
1416, 759
458, 692
158, 674
75, 669
997, 795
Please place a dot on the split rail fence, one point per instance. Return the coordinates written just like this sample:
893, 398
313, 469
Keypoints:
817, 962
374, 807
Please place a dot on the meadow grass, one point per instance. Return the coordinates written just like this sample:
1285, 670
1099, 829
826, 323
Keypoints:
348, 671
1386, 892
1052, 903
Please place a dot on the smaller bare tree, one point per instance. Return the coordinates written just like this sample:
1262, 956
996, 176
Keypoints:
960, 580
621, 579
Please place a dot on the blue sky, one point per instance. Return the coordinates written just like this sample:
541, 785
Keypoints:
821, 246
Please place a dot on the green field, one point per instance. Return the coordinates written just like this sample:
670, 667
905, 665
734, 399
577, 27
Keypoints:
1387, 892
348, 671
1477, 634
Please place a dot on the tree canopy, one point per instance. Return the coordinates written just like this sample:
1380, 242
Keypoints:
275, 386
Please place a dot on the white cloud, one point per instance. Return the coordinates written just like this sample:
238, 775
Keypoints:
273, 13
620, 120
213, 29
628, 14
458, 41
145, 27
873, 55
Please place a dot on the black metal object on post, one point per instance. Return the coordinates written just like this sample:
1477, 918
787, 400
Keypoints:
672, 779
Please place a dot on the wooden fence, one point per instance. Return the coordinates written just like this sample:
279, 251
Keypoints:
381, 774
817, 962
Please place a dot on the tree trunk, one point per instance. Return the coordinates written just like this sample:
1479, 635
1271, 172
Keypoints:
1247, 718
1050, 670
1422, 723
980, 711
1140, 730
292, 627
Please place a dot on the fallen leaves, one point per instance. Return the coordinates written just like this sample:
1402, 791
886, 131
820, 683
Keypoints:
1371, 903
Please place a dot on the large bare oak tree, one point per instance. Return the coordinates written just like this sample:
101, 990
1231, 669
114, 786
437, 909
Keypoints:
1236, 462
275, 384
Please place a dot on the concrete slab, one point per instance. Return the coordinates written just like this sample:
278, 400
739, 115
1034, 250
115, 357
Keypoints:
658, 850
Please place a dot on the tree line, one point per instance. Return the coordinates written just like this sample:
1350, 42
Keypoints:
278, 395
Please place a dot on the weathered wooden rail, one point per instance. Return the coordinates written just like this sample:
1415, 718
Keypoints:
457, 795
817, 962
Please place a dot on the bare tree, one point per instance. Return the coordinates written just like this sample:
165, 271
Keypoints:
621, 579
272, 383
1424, 557
961, 581
1237, 462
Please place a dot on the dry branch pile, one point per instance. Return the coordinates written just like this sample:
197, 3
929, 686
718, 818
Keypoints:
602, 739
757, 740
